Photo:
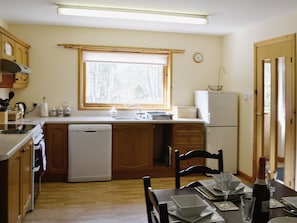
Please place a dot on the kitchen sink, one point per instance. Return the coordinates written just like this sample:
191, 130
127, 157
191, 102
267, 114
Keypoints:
124, 118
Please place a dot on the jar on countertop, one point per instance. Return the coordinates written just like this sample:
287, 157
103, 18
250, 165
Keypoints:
53, 112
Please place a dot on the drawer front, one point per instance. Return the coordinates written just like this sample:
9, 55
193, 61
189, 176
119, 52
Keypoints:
189, 139
184, 128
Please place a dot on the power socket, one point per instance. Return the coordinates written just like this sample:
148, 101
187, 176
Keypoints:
36, 104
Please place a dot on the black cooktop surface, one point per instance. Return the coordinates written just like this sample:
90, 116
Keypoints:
15, 128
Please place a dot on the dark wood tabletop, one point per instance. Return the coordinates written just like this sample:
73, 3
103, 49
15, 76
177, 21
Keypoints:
234, 216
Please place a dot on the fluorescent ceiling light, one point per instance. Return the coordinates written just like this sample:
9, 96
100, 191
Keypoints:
142, 15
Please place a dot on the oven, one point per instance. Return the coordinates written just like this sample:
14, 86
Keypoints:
39, 162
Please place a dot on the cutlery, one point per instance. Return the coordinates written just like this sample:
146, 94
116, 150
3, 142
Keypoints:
290, 211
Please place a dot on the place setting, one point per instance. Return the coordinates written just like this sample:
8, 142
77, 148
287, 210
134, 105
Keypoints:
222, 189
191, 208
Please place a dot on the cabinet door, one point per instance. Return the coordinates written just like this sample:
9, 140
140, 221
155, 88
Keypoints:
56, 136
8, 48
14, 188
132, 147
21, 56
26, 172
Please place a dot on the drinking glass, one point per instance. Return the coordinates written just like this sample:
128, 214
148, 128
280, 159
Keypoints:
270, 177
225, 185
247, 204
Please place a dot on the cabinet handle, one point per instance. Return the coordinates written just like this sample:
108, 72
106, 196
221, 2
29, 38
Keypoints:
25, 149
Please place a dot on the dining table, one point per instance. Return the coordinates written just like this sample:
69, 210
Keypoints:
234, 216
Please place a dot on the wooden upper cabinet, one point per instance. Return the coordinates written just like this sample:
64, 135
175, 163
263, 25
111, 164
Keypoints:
16, 50
21, 54
8, 48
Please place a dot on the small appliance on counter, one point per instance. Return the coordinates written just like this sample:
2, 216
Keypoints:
184, 111
44, 108
21, 107
159, 116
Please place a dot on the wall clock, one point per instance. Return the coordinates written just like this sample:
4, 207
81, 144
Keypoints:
198, 57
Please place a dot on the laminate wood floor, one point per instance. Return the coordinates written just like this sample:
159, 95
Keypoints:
116, 201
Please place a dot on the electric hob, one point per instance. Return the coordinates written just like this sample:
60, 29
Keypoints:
15, 128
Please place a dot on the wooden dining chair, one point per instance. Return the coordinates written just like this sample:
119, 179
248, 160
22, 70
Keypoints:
196, 169
156, 212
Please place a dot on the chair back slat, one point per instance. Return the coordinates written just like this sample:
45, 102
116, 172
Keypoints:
196, 169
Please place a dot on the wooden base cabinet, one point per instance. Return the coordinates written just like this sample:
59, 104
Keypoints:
56, 139
186, 137
16, 185
132, 153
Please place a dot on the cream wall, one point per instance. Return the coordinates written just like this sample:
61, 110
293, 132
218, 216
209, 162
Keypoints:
238, 55
3, 91
54, 70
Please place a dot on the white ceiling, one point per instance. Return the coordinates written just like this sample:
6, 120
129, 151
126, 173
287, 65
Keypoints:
225, 16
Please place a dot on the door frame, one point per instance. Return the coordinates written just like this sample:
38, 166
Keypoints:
290, 153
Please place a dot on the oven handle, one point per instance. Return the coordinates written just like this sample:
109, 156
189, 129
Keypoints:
36, 169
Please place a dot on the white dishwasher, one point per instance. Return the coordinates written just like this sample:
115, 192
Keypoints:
89, 152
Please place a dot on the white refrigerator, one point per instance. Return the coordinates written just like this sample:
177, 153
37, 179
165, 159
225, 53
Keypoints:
219, 110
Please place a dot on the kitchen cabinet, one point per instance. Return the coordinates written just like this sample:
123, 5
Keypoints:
148, 149
132, 153
185, 137
56, 138
26, 173
16, 184
138, 149
21, 56
8, 47
12, 48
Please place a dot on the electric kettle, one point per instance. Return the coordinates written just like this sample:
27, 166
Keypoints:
21, 106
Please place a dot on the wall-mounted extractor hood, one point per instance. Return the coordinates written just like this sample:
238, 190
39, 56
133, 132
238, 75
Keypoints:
8, 66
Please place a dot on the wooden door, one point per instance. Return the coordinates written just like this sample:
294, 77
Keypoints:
14, 188
132, 147
26, 172
56, 136
274, 113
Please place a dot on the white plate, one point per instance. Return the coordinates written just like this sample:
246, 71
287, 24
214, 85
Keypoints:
283, 220
207, 212
291, 200
211, 186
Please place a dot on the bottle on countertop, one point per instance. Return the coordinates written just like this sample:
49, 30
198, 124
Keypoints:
113, 112
261, 192
44, 108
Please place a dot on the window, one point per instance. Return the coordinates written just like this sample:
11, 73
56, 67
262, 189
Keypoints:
124, 79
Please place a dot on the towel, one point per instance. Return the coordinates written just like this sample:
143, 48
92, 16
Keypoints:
42, 147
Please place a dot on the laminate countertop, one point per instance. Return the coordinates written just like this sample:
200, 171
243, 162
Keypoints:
10, 143
108, 120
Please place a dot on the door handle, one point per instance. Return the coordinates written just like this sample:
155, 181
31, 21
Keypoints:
259, 114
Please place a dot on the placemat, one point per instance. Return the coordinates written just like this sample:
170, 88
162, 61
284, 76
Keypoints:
228, 206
